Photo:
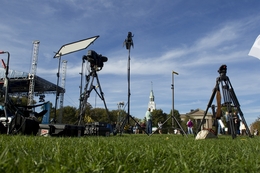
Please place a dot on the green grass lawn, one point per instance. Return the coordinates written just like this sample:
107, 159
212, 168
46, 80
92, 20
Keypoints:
129, 153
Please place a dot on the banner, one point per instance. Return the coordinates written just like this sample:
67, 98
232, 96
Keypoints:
46, 117
255, 50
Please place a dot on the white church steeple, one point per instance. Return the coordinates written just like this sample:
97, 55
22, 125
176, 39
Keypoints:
151, 103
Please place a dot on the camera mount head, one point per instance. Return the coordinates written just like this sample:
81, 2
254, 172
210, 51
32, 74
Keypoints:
129, 41
96, 60
222, 70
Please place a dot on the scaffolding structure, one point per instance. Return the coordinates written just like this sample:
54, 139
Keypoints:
63, 80
32, 73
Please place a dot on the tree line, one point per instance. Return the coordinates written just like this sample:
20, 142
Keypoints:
71, 114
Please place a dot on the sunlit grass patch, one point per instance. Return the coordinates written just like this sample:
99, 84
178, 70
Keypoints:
129, 153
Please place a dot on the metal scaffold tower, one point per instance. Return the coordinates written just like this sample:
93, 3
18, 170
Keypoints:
32, 73
63, 80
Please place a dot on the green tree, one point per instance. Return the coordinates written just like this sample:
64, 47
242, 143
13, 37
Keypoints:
22, 101
87, 111
99, 115
69, 115
119, 116
158, 115
177, 117
113, 115
171, 123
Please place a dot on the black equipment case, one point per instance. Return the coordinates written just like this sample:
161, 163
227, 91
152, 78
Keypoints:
61, 130
97, 129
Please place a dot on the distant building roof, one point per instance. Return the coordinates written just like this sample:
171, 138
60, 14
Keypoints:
197, 113
19, 83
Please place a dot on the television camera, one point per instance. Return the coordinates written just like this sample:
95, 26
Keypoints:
222, 70
96, 60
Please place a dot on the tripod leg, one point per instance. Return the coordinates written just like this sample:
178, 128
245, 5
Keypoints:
136, 123
183, 132
86, 96
129, 116
215, 121
244, 121
179, 125
122, 125
176, 122
236, 103
163, 123
92, 74
126, 119
209, 105
83, 106
232, 127
101, 95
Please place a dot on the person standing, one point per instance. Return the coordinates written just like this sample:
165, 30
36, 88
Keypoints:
137, 128
243, 129
148, 117
228, 116
190, 126
237, 123
256, 132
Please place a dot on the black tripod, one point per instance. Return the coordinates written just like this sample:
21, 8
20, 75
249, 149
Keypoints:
180, 128
89, 87
172, 116
120, 126
230, 100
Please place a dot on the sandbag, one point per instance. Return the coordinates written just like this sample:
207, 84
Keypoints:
205, 134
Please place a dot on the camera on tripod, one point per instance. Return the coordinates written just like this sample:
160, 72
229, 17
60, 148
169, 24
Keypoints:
223, 70
96, 60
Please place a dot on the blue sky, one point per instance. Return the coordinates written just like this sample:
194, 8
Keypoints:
193, 38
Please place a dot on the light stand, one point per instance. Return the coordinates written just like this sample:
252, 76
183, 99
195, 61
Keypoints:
128, 43
67, 49
173, 72
6, 67
172, 116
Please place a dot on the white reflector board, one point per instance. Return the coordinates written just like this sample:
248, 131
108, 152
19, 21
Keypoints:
75, 46
255, 50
